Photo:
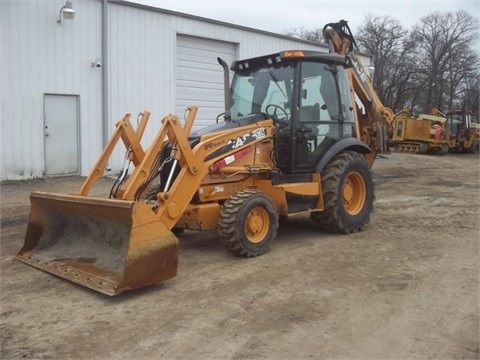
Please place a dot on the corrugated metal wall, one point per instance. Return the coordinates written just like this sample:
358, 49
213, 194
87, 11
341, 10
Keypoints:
40, 57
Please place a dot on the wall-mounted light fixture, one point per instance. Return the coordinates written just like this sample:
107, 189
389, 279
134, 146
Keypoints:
66, 12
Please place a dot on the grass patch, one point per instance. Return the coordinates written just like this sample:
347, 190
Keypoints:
22, 181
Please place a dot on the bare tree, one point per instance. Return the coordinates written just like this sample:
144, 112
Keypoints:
461, 72
304, 34
432, 65
388, 42
445, 59
472, 96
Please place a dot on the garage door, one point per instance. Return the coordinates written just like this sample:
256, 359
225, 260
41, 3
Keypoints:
199, 77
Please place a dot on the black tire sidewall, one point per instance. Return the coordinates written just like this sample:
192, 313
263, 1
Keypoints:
358, 165
334, 218
256, 200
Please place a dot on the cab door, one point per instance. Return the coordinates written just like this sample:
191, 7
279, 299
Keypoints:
324, 112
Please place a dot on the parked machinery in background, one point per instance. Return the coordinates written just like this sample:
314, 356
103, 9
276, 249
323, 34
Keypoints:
461, 133
421, 134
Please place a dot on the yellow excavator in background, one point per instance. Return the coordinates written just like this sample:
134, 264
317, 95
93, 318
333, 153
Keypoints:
422, 134
301, 131
436, 133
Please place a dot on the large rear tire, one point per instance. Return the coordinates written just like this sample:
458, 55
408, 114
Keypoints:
248, 223
348, 194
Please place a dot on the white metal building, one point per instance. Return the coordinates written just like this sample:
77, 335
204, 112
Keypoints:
66, 82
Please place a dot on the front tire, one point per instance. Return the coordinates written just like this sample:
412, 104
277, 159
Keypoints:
348, 194
248, 223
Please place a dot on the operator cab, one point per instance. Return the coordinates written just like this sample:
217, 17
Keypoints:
457, 123
306, 93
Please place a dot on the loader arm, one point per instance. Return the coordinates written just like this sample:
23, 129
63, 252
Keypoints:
141, 159
196, 163
131, 139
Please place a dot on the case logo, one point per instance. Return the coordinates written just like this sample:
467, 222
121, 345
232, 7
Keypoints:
246, 138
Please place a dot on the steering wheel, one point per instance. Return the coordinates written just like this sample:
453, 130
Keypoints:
272, 110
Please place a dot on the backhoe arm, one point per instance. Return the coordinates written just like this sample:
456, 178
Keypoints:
376, 128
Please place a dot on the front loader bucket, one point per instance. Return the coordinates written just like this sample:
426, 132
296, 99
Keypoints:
111, 246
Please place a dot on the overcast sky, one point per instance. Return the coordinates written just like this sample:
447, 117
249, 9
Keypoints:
280, 16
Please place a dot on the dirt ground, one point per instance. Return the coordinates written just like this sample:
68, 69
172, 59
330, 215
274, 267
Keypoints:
405, 288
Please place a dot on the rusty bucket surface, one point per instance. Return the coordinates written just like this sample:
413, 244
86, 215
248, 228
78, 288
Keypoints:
111, 246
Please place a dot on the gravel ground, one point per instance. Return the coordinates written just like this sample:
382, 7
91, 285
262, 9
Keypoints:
405, 288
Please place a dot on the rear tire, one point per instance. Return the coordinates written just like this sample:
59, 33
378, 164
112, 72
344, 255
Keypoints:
348, 194
248, 223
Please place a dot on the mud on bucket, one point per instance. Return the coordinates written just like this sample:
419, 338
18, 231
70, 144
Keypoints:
110, 246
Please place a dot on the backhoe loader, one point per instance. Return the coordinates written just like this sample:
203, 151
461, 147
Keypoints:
301, 131
461, 133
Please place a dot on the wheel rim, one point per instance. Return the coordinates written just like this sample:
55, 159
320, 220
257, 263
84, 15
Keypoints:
257, 225
354, 193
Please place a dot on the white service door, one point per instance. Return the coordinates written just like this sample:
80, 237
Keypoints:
61, 119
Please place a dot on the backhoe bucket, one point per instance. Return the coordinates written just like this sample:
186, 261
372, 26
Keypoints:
110, 246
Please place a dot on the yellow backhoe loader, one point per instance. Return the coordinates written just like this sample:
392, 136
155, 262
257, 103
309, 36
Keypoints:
461, 133
294, 140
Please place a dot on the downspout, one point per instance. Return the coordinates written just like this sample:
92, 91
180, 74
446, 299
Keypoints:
105, 127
